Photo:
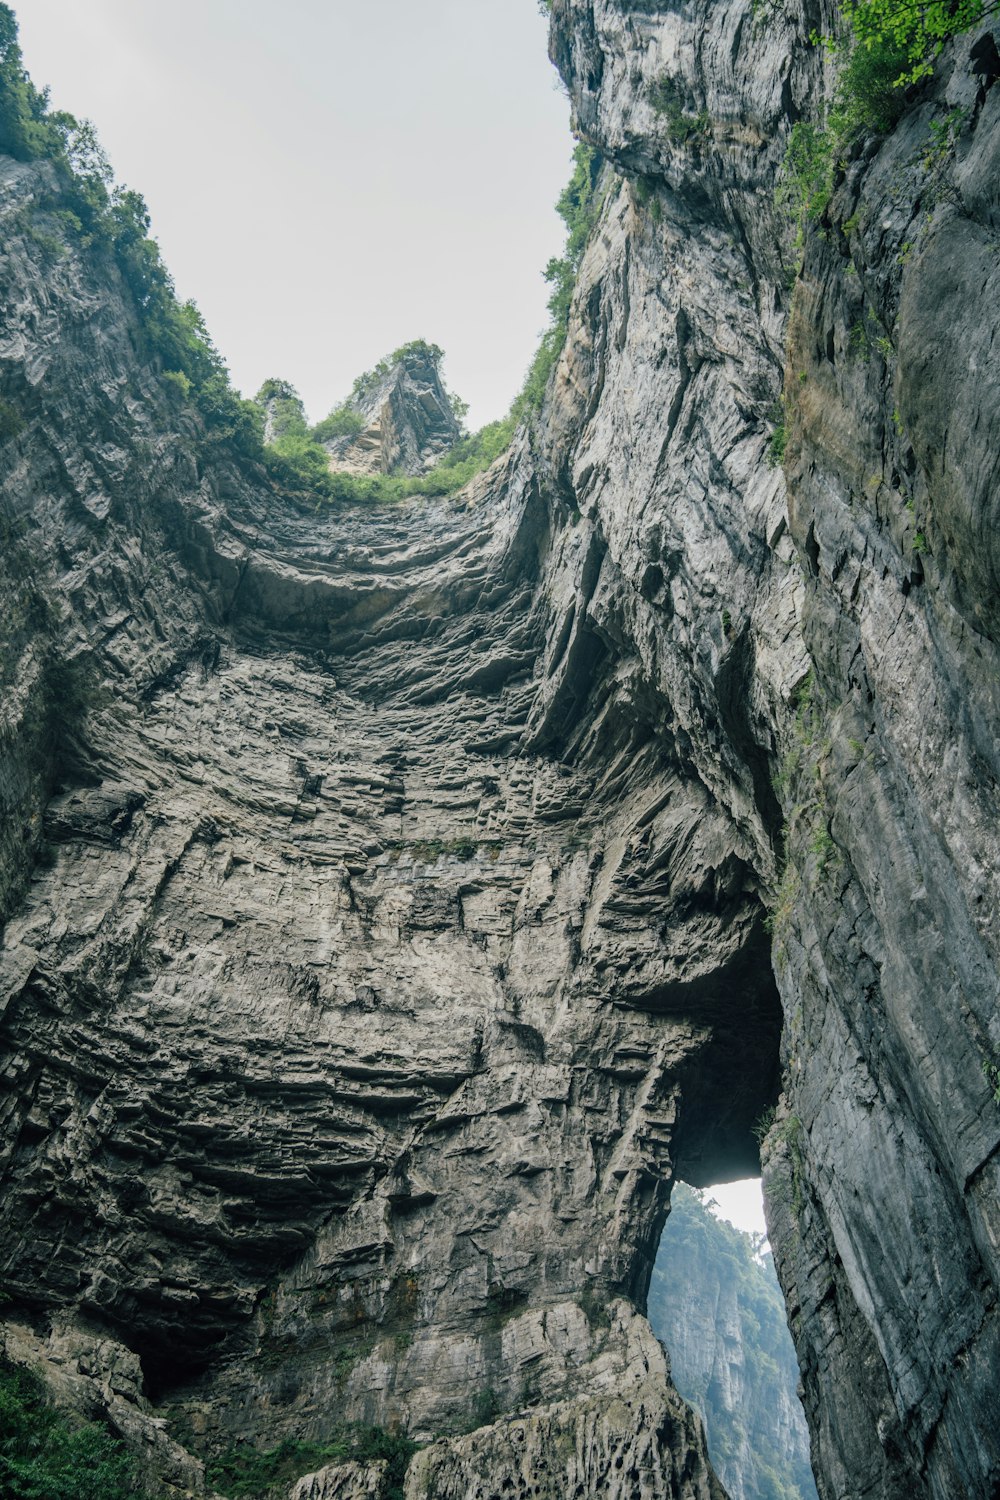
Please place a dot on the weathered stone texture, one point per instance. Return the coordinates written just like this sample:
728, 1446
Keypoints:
409, 420
398, 933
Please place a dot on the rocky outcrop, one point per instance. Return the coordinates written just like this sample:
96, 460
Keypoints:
351, 1481
643, 1443
387, 886
406, 420
884, 1172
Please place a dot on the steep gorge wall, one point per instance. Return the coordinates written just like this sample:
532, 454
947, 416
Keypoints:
715, 1302
400, 931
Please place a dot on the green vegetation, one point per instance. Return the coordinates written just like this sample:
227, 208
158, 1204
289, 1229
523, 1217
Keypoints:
285, 404
823, 846
763, 1124
944, 133
485, 1409
708, 1274
11, 422
246, 1471
807, 175
343, 421
882, 48
789, 1134
916, 29
298, 462
88, 209
668, 99
800, 787
45, 1457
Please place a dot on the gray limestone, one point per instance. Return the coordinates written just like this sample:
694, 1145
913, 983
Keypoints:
386, 887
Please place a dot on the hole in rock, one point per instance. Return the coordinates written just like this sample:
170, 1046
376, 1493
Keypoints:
715, 1303
172, 1358
736, 1078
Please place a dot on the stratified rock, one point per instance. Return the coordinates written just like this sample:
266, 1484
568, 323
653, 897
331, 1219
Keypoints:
408, 420
386, 887
351, 1481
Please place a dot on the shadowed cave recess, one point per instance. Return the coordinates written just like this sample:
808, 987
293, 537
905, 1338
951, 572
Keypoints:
400, 897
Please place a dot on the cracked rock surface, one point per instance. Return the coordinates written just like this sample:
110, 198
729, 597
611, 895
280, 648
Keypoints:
385, 887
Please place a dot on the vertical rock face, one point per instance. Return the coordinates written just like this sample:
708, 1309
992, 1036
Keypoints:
349, 1039
386, 887
884, 1173
407, 419
882, 1165
717, 1307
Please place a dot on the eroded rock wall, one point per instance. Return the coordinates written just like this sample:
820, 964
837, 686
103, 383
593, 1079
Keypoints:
886, 944
399, 929
349, 1042
882, 1163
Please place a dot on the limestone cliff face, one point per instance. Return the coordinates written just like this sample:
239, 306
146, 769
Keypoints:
386, 887
882, 1166
717, 1307
347, 1047
885, 1172
409, 423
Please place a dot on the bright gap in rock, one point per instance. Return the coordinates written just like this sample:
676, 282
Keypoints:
739, 1203
714, 1302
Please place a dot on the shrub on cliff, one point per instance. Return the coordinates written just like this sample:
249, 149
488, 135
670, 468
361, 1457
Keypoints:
27, 131
913, 30
343, 421
43, 1457
882, 48
246, 1471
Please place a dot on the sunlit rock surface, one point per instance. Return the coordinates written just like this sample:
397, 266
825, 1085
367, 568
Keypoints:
408, 422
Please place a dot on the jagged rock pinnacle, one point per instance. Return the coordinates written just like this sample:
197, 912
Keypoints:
409, 419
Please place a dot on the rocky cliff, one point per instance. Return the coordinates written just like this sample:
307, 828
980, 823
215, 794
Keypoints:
714, 1301
387, 888
405, 420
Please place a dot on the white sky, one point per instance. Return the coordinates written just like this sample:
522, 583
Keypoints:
741, 1203
329, 179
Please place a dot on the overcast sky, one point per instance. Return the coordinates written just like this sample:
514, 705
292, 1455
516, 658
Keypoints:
329, 179
742, 1203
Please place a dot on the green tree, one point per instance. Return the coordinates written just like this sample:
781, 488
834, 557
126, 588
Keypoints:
914, 30
44, 1457
25, 131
